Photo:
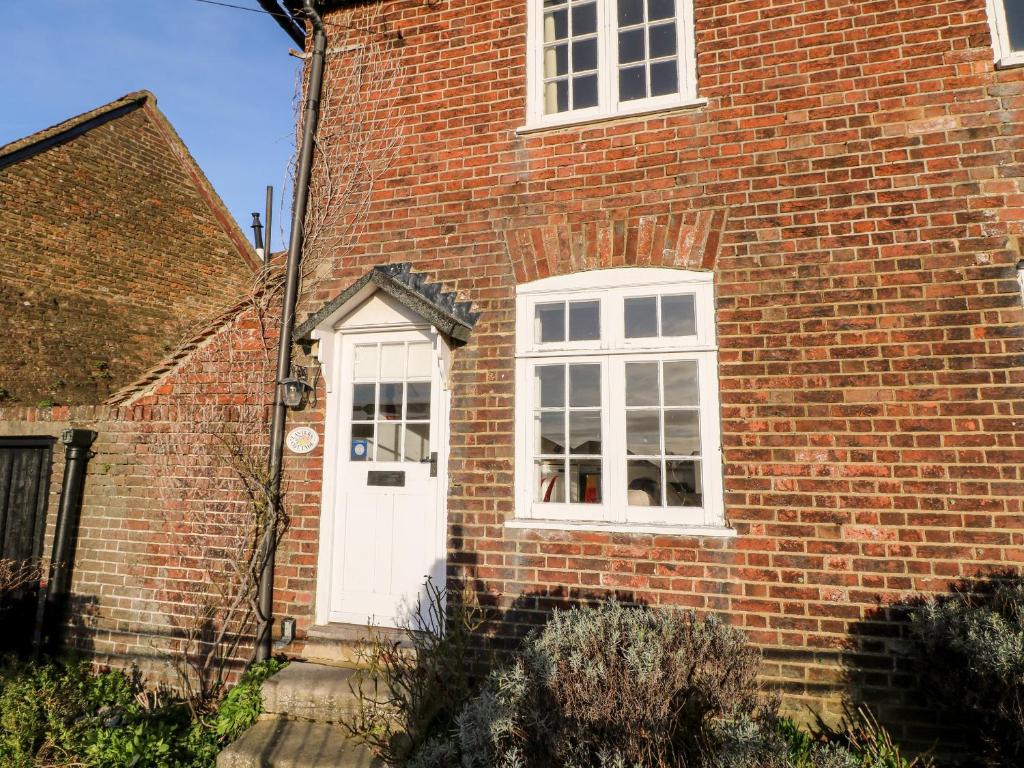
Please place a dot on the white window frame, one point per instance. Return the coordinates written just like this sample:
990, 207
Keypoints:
1002, 49
611, 287
608, 105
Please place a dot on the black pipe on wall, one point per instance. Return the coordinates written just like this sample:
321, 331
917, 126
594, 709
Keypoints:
77, 444
311, 116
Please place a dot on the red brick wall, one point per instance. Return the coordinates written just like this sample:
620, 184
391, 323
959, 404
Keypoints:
161, 503
854, 184
108, 254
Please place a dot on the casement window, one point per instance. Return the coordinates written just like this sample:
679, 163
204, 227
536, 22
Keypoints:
1006, 18
599, 58
617, 402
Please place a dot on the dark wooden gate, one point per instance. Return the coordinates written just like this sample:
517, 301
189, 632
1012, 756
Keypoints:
25, 467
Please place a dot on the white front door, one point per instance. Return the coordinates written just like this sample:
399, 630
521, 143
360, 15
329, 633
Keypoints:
387, 529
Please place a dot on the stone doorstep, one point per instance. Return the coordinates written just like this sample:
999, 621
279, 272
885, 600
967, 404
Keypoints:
312, 692
281, 743
343, 645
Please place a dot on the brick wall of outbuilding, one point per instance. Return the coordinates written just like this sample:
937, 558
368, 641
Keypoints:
111, 248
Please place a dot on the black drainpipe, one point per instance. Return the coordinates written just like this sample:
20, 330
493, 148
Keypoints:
310, 118
77, 444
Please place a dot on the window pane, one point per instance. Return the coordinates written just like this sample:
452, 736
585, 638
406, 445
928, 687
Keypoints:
683, 483
556, 24
550, 482
419, 361
365, 366
550, 430
417, 404
643, 433
584, 92
585, 432
642, 384
392, 361
585, 386
678, 315
681, 383
556, 97
1015, 23
631, 46
662, 40
417, 442
585, 486
558, 61
390, 402
682, 433
664, 78
584, 19
362, 442
630, 12
550, 381
584, 56
641, 317
363, 402
660, 9
643, 480
550, 322
387, 442
584, 320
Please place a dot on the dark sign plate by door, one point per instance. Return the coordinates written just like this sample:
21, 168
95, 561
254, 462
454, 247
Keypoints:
394, 479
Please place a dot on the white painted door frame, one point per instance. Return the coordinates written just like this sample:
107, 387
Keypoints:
336, 367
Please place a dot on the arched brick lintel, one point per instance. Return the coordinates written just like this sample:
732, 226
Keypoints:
689, 240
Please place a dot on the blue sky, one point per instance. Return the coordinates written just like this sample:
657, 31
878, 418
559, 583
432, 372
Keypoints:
223, 77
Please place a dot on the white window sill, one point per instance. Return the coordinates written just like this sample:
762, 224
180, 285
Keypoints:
1010, 61
569, 120
705, 531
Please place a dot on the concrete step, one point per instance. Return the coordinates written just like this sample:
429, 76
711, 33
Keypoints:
281, 743
314, 692
345, 645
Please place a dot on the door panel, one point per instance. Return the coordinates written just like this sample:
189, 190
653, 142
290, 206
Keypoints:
388, 514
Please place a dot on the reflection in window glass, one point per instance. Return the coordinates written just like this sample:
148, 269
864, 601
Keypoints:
387, 443
570, 55
585, 386
584, 320
390, 408
417, 442
683, 484
641, 317
567, 420
391, 419
648, 49
363, 401
643, 480
550, 322
1015, 23
681, 383
678, 315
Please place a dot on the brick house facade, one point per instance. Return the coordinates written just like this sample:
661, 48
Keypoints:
812, 252
113, 245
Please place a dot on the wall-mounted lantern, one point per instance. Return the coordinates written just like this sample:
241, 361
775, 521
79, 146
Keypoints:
294, 391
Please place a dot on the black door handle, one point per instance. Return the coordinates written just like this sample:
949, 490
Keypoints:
432, 461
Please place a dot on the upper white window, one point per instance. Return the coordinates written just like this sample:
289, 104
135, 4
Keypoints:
617, 400
1006, 18
596, 58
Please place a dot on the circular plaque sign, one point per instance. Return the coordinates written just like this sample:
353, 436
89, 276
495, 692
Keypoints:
302, 440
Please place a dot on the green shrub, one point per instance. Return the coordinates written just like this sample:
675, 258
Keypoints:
971, 645
610, 686
65, 714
